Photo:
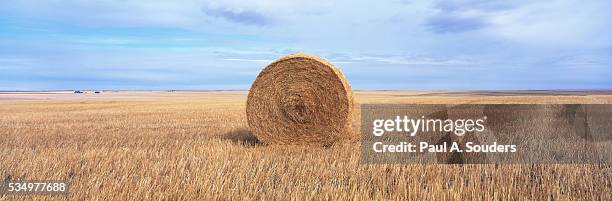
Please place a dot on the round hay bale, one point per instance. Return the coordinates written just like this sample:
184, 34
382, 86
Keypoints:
300, 99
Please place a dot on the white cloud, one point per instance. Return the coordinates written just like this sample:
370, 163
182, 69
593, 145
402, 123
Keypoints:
557, 23
413, 60
249, 60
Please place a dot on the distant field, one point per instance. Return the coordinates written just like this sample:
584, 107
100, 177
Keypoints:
196, 145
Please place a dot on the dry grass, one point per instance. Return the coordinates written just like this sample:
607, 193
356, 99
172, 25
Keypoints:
199, 147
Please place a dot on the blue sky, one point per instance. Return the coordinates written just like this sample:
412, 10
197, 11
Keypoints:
397, 44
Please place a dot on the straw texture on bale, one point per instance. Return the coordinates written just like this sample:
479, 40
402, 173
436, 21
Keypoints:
300, 99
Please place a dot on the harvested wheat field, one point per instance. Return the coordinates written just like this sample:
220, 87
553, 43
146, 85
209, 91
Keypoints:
197, 145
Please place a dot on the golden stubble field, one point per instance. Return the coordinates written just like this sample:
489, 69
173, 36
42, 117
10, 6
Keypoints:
196, 146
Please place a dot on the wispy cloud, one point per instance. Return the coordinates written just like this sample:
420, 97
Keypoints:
454, 24
412, 60
242, 16
461, 16
481, 6
12, 60
249, 60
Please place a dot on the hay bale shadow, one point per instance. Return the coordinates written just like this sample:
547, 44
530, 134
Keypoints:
242, 136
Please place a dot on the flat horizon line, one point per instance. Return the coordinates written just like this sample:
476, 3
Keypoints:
209, 90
